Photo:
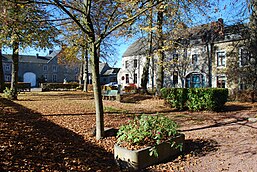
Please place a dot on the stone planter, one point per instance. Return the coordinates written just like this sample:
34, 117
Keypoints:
134, 160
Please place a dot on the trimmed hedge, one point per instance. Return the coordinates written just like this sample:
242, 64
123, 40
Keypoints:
21, 86
196, 99
60, 86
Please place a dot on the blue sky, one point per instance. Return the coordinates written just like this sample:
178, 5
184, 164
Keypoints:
226, 9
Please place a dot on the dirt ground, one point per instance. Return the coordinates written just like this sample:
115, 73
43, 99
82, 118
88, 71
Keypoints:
52, 131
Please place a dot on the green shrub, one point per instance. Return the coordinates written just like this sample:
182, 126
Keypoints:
20, 85
176, 97
8, 93
59, 86
196, 99
148, 130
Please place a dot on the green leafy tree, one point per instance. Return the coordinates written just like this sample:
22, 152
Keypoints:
24, 24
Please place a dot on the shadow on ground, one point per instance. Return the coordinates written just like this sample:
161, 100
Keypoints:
134, 98
200, 147
192, 148
30, 142
231, 108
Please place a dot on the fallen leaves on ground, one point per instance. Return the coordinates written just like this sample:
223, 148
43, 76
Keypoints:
53, 132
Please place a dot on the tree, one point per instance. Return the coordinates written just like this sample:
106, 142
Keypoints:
24, 24
160, 53
253, 44
145, 74
113, 16
1, 71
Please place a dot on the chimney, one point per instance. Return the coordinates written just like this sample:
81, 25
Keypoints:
37, 55
221, 26
220, 20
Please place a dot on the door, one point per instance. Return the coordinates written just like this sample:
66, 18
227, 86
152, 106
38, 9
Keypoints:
30, 77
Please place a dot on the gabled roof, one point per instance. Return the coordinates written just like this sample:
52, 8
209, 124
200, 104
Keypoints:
6, 59
139, 47
101, 66
112, 71
53, 54
27, 58
214, 31
32, 59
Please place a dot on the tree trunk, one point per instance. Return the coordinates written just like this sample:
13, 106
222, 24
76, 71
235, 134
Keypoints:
1, 72
85, 87
210, 51
15, 69
253, 44
81, 70
152, 74
145, 74
160, 73
93, 47
97, 92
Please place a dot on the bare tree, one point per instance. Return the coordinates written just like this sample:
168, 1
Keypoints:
115, 15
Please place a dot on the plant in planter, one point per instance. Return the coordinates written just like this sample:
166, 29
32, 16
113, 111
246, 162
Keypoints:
147, 140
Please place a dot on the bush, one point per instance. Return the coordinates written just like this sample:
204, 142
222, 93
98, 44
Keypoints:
8, 93
196, 99
21, 86
59, 86
148, 130
176, 97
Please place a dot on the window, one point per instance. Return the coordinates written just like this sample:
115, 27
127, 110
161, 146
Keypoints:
54, 68
175, 77
7, 78
244, 57
45, 76
221, 59
194, 59
127, 78
221, 81
7, 67
196, 80
135, 63
45, 68
54, 78
135, 78
126, 64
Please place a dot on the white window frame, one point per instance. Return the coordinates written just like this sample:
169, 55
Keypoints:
135, 63
197, 59
240, 57
221, 75
217, 59
126, 64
